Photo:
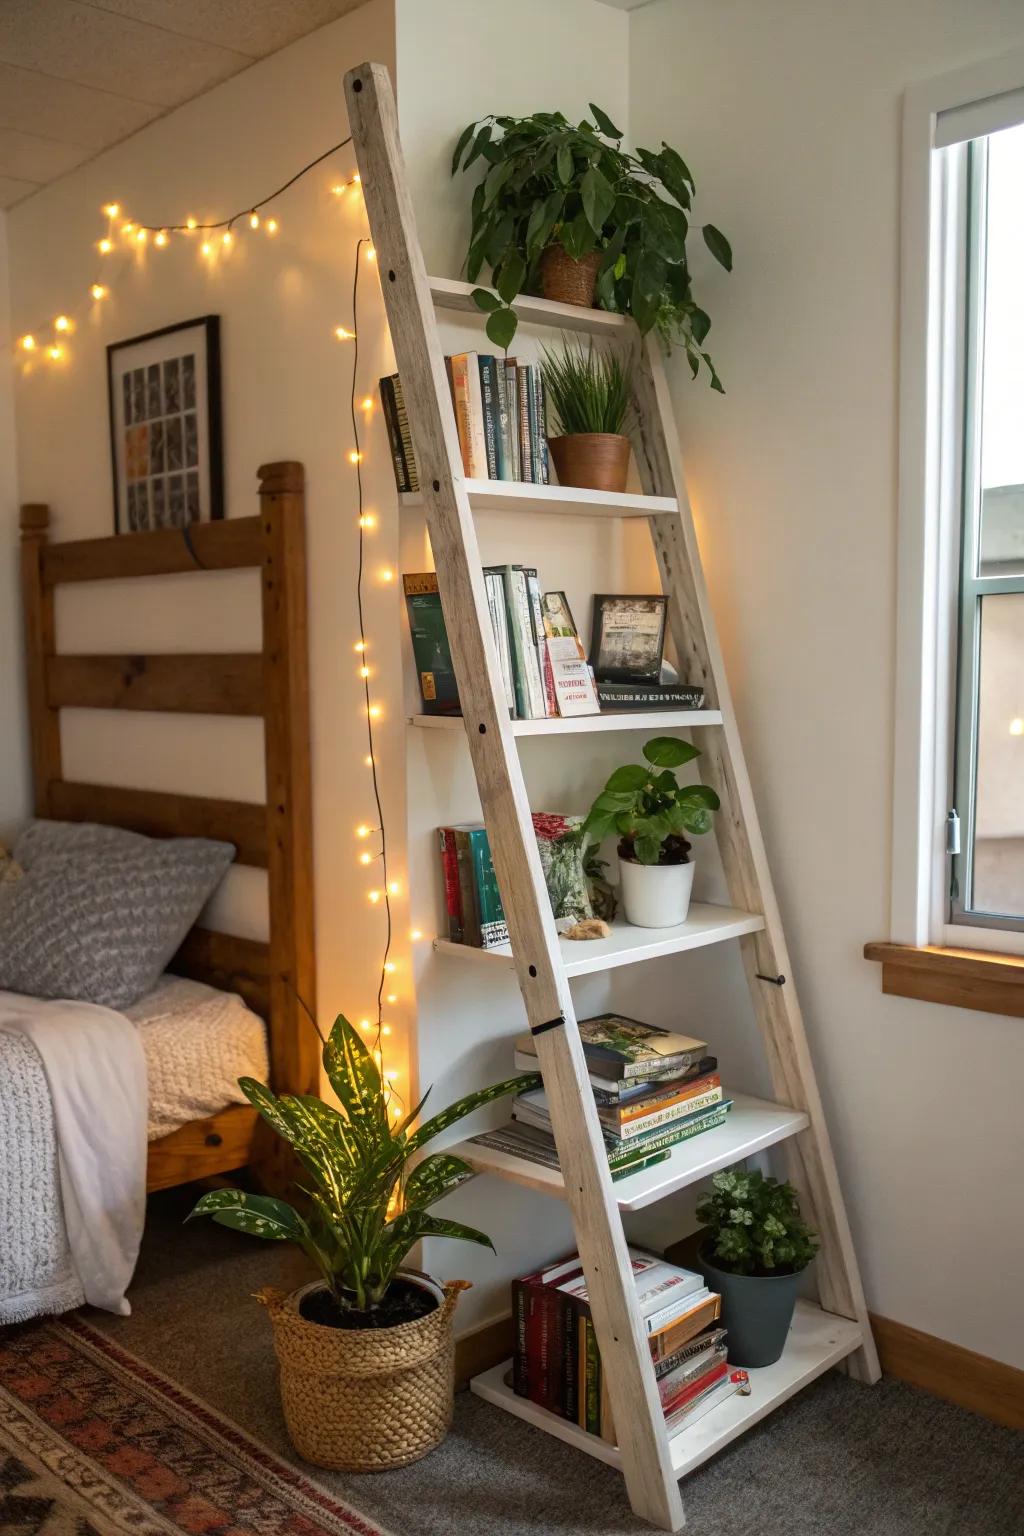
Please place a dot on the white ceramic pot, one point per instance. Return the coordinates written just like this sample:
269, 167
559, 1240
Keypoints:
655, 895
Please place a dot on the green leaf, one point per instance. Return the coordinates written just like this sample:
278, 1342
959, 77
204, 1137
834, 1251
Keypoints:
435, 1177
647, 849
718, 245
564, 164
648, 289
499, 239
665, 230
410, 1226
261, 1098
495, 179
695, 819
511, 277
484, 299
669, 752
482, 138
604, 123
259, 1215
354, 1076
670, 158
630, 778
598, 199
700, 794
464, 138
502, 326
700, 324
462, 1107
716, 382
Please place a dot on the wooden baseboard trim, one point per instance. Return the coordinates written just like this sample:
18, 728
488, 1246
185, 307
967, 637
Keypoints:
958, 1375
481, 1348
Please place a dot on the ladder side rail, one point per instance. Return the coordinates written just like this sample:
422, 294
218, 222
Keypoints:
723, 767
650, 1480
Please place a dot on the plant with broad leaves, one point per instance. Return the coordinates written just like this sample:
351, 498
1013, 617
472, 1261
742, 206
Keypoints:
551, 182
753, 1225
649, 809
368, 1197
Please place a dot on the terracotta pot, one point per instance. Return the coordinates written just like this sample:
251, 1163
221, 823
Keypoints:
595, 461
567, 281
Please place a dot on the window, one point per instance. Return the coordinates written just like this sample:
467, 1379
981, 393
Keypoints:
986, 883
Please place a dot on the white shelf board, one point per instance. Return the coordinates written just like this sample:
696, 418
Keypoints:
706, 924
523, 496
577, 725
448, 293
817, 1341
750, 1126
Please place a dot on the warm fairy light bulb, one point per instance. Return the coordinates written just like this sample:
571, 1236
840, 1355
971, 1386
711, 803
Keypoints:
392, 997
367, 520
377, 1057
206, 248
415, 934
98, 291
62, 323
385, 1029
160, 238
27, 344
1017, 727
190, 223
373, 896
362, 831
339, 191
360, 645
354, 456
127, 227
227, 239
371, 254
356, 179
343, 333
55, 352
368, 761
391, 967
364, 1023
254, 220
394, 888
396, 1113
271, 226
367, 402
105, 247
387, 574
112, 210
391, 1076
364, 671
374, 711
366, 858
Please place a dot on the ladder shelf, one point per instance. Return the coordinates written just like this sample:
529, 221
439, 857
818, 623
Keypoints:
838, 1329
579, 725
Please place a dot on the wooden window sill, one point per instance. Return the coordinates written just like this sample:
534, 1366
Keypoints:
959, 978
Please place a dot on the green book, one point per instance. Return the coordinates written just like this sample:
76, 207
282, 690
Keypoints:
493, 928
438, 688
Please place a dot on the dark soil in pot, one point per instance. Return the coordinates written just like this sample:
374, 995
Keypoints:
403, 1303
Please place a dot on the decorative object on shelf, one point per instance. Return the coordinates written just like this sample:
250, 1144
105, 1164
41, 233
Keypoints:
560, 844
566, 207
165, 427
571, 682
627, 639
753, 1251
652, 812
366, 1351
591, 395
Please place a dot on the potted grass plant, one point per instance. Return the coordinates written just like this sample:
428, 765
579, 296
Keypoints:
654, 816
564, 209
590, 394
366, 1349
754, 1248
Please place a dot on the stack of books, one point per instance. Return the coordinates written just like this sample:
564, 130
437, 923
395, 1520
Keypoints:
471, 896
653, 1088
557, 1363
500, 413
543, 667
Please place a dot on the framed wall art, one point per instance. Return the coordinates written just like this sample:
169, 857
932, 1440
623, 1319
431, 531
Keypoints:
165, 427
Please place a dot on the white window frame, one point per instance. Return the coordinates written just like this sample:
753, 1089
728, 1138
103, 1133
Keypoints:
932, 285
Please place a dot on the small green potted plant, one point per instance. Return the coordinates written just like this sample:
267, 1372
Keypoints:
564, 208
654, 816
753, 1251
590, 393
366, 1350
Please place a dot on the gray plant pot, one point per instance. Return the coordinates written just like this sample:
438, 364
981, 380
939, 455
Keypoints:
756, 1309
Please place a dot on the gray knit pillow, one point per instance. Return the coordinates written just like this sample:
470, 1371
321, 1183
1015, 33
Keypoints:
99, 922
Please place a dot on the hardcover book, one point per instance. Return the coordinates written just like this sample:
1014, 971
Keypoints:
620, 1047
438, 688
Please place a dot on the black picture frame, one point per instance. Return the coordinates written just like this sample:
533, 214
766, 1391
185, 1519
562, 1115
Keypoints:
627, 637
166, 426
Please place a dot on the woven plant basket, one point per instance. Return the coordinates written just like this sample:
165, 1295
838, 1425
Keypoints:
566, 281
365, 1400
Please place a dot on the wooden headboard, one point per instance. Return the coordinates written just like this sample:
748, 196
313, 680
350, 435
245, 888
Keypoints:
275, 978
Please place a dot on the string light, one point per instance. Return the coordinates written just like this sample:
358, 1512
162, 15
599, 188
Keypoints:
98, 291
385, 1029
272, 226
360, 646
254, 220
104, 246
227, 239
415, 935
344, 334
55, 352
373, 896
112, 210
206, 248
62, 323
387, 574
362, 831
367, 403
367, 520
190, 224
127, 227
371, 254
374, 711
27, 343
161, 238
364, 671
355, 457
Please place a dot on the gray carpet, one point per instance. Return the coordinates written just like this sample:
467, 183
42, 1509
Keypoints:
840, 1459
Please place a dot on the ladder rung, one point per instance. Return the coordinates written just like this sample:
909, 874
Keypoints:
707, 923
573, 501
750, 1126
450, 294
580, 725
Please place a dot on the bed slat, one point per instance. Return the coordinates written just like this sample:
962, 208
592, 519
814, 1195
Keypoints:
160, 815
231, 963
191, 684
227, 544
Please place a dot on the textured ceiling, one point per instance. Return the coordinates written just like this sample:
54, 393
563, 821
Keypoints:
78, 75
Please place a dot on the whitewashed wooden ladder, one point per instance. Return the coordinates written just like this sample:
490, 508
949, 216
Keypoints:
651, 1461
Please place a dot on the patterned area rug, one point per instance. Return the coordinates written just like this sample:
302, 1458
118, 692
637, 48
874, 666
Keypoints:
95, 1443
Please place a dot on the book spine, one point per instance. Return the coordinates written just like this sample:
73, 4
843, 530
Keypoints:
525, 440
694, 1389
387, 401
502, 446
490, 410
460, 392
520, 1358
467, 889
686, 1328
494, 586
452, 889
592, 1422
530, 384
515, 644
570, 1359
680, 1063
543, 660
411, 472
493, 928
512, 391
669, 1138
629, 1129
477, 439
542, 425
531, 660
688, 1351
671, 1383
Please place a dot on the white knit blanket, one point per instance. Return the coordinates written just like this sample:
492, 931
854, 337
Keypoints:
72, 1156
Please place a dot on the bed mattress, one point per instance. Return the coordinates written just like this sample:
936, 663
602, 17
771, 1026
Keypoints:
198, 1042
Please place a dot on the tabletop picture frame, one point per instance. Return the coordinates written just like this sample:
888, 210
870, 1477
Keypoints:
164, 393
627, 638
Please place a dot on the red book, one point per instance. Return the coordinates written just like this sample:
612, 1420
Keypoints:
452, 890
694, 1389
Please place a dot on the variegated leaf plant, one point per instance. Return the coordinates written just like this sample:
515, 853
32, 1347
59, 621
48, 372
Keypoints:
368, 1197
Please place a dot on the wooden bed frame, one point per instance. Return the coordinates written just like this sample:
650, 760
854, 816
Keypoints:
276, 978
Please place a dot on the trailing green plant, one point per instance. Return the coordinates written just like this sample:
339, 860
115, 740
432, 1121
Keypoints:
753, 1225
367, 1201
550, 181
588, 390
649, 809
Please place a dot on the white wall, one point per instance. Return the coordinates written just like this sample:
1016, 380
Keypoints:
13, 748
788, 115
286, 388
